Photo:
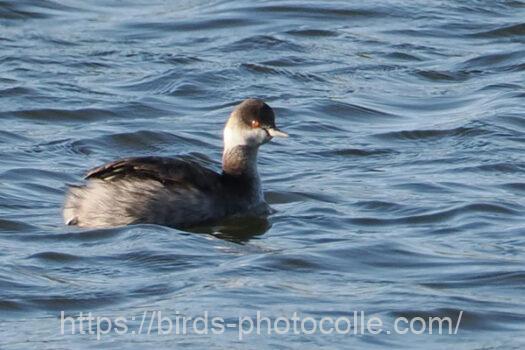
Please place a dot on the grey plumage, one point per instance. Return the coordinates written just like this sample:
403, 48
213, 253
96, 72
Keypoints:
178, 192
143, 190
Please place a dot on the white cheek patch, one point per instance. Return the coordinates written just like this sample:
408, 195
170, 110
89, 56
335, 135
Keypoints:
259, 136
243, 137
233, 138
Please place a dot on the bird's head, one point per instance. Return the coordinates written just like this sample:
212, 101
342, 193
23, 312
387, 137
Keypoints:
252, 123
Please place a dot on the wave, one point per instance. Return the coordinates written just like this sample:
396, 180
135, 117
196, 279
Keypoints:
53, 114
264, 69
143, 141
441, 215
505, 31
262, 42
414, 135
26, 10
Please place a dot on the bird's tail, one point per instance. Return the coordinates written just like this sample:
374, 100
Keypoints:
72, 204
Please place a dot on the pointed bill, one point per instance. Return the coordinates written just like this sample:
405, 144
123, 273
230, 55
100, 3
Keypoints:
274, 132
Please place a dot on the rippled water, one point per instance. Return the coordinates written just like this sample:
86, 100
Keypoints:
400, 192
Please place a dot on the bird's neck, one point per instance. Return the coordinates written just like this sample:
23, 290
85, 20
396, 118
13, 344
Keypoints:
240, 176
240, 160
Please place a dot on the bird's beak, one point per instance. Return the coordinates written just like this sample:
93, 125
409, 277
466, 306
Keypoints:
274, 132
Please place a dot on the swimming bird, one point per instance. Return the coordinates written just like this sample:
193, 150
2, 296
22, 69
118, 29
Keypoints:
179, 192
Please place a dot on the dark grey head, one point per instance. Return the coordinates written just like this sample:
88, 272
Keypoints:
251, 123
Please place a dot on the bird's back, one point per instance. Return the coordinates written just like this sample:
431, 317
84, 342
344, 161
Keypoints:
166, 191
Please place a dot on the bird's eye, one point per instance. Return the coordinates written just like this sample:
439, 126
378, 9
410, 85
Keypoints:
255, 124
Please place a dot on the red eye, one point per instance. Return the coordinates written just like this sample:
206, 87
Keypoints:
255, 124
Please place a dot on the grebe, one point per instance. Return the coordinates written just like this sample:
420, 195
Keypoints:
178, 192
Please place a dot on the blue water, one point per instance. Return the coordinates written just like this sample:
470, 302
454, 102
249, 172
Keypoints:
400, 192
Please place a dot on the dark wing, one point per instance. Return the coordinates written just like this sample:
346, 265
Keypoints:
162, 169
